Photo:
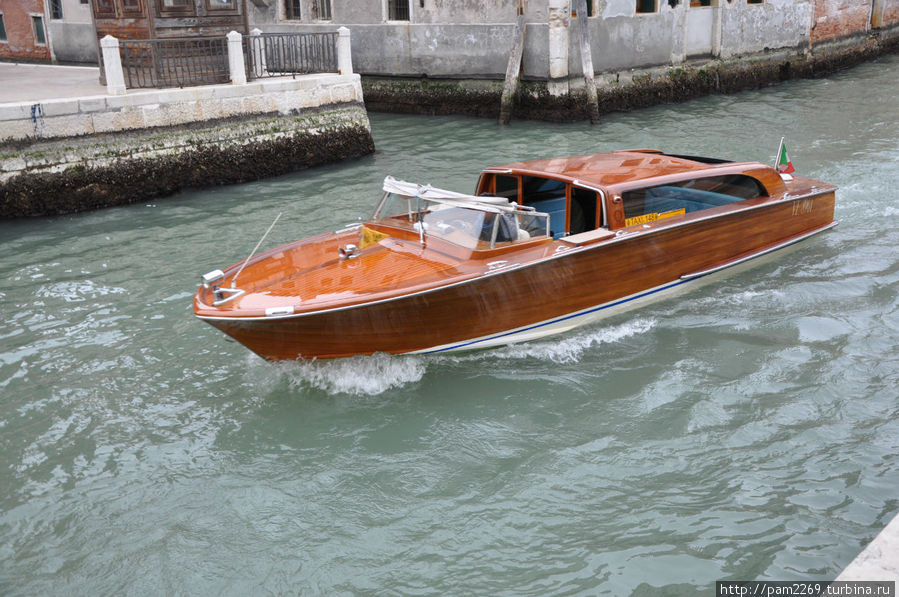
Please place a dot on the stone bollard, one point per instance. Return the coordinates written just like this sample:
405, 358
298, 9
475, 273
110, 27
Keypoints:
257, 50
235, 59
112, 66
344, 52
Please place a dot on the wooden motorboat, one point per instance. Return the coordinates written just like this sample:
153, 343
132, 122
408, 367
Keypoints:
541, 247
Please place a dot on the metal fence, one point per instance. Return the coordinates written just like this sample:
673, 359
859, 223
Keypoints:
279, 54
187, 62
176, 62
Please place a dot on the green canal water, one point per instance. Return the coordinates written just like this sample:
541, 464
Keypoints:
746, 430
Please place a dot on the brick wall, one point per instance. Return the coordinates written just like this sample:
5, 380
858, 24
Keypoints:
840, 18
20, 42
890, 13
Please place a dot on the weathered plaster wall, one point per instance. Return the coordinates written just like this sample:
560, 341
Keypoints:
466, 43
752, 28
468, 11
74, 42
73, 37
621, 42
74, 11
433, 50
354, 12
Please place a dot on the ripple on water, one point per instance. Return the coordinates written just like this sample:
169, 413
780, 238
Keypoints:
745, 430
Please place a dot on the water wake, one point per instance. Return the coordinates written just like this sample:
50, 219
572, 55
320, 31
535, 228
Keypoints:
567, 348
378, 373
358, 376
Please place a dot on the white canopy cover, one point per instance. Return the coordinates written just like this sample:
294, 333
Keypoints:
429, 193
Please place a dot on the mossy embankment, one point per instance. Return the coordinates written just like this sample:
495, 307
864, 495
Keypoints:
622, 91
58, 176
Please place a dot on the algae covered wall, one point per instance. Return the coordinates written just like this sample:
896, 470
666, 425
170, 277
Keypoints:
625, 90
69, 155
81, 173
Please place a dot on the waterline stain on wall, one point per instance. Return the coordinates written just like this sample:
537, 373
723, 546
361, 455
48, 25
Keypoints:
47, 177
626, 90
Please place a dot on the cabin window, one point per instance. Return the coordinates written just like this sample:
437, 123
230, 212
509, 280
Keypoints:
548, 196
644, 6
583, 216
507, 186
688, 196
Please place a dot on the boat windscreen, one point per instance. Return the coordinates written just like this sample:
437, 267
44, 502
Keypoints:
471, 226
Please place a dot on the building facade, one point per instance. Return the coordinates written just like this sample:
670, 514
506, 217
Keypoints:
472, 38
71, 30
23, 30
459, 39
161, 19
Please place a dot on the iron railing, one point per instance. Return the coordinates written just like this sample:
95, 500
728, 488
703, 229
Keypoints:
175, 62
279, 54
187, 62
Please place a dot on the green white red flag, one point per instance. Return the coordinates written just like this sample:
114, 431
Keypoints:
784, 165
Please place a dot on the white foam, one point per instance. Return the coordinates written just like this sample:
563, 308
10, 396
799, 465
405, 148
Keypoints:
567, 348
378, 373
359, 376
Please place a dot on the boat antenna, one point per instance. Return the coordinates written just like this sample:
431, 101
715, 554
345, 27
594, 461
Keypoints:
253, 252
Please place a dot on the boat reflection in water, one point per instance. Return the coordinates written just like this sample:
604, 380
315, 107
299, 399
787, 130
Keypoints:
542, 247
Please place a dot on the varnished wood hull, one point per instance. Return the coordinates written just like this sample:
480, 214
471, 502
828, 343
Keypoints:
571, 286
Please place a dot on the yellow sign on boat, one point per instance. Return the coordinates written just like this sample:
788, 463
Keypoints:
652, 217
370, 237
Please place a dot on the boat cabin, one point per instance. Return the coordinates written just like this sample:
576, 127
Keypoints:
626, 188
578, 199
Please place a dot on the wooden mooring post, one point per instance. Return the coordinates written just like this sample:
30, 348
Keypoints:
513, 70
587, 61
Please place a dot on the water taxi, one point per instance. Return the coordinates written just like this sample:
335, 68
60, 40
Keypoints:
539, 248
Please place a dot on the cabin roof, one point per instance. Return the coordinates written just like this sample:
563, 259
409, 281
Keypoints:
614, 168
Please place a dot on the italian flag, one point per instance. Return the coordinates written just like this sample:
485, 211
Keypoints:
784, 165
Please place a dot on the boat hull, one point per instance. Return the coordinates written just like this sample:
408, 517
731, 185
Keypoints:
574, 286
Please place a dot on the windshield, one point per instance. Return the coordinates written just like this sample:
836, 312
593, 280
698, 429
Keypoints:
470, 226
